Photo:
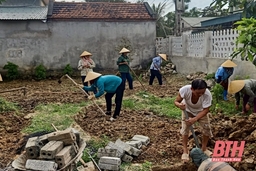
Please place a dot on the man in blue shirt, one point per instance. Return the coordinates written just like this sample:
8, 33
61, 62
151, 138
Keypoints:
110, 84
155, 68
222, 75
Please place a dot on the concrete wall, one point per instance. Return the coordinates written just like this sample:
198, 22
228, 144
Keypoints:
58, 43
186, 65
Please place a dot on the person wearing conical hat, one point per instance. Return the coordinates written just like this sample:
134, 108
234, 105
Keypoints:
155, 68
247, 88
222, 75
112, 85
85, 65
123, 63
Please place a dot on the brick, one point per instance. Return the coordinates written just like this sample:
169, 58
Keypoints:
64, 156
120, 151
144, 139
50, 150
67, 136
135, 152
110, 160
126, 147
136, 144
106, 152
127, 158
109, 166
32, 148
41, 165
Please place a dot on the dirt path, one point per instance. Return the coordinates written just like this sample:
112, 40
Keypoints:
165, 148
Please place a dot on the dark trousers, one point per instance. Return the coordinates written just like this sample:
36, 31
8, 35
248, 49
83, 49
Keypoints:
245, 100
157, 74
127, 76
118, 100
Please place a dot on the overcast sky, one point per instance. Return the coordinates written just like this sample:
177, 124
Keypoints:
170, 6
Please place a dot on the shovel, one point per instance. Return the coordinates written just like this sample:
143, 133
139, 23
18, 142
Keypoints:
192, 130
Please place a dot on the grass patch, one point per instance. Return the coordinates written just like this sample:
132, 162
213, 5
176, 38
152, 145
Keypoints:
146, 166
160, 106
6, 106
58, 114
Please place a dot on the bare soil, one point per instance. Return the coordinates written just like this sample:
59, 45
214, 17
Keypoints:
165, 148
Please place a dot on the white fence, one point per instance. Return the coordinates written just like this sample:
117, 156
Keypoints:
216, 44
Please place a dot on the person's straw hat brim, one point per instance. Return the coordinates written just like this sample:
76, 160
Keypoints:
235, 86
91, 76
164, 56
1, 78
124, 50
85, 53
228, 64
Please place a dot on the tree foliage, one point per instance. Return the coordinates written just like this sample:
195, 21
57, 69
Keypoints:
246, 38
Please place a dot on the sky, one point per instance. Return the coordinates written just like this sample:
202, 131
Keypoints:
170, 5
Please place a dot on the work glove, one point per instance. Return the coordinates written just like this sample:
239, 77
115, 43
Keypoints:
91, 97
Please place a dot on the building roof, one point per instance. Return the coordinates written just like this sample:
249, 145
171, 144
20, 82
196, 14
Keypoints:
195, 21
23, 10
101, 10
222, 20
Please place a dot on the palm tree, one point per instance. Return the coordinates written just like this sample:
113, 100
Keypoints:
159, 11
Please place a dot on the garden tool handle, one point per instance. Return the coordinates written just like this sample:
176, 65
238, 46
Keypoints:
137, 77
86, 94
192, 130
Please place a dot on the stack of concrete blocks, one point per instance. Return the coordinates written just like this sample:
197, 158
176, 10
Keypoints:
121, 151
52, 151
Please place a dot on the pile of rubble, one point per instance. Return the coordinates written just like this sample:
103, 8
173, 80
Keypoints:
113, 154
167, 69
53, 151
201, 75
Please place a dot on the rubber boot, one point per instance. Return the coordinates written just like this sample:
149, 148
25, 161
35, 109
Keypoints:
225, 93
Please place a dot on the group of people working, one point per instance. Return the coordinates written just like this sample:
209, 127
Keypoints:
112, 84
195, 99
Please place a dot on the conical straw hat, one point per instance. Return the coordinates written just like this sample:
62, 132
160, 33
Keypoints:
228, 63
85, 53
124, 50
91, 76
235, 86
163, 56
1, 78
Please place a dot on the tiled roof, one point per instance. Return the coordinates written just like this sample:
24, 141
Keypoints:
100, 10
23, 10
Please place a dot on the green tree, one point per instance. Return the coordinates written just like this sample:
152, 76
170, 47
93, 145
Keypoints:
1, 1
159, 11
246, 38
194, 12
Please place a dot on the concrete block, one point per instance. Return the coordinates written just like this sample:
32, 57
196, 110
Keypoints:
32, 148
127, 158
41, 165
50, 150
108, 166
106, 152
64, 156
110, 160
135, 151
136, 144
120, 151
126, 147
67, 136
144, 139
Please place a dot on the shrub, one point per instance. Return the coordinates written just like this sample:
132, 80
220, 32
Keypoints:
68, 69
12, 71
40, 72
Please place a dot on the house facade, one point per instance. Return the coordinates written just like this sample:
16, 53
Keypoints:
54, 34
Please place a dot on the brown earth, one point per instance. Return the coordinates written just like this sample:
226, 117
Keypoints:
165, 148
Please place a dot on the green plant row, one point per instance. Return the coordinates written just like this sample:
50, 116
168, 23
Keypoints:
39, 72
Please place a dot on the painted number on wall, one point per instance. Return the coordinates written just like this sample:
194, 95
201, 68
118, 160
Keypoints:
15, 53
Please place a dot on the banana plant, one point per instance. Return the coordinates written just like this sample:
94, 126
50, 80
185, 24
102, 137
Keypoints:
246, 40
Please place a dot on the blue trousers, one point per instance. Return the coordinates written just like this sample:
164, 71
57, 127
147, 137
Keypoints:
157, 74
